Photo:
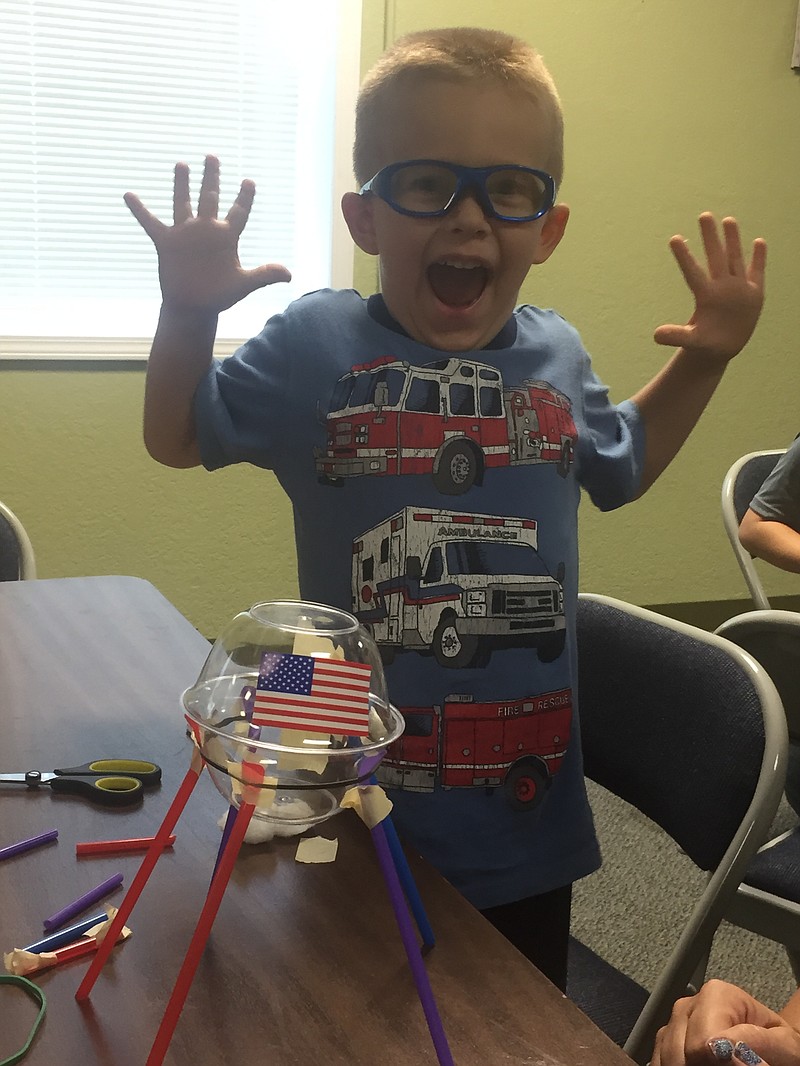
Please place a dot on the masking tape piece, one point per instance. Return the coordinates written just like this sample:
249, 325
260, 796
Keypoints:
316, 849
370, 803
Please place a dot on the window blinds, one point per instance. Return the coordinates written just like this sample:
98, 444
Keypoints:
98, 97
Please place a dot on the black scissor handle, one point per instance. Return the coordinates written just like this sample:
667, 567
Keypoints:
111, 791
147, 772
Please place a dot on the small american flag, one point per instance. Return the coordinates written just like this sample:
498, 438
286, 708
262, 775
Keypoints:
322, 695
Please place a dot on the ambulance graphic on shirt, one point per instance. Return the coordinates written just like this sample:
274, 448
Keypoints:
458, 585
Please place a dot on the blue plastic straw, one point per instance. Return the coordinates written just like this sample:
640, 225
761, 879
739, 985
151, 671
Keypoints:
419, 973
407, 880
66, 936
409, 884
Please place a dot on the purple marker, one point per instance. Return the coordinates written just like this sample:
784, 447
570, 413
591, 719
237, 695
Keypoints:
82, 902
66, 936
31, 842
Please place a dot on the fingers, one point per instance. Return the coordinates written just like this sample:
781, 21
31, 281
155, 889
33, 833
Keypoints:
268, 274
724, 253
149, 223
733, 248
715, 250
207, 208
181, 199
758, 263
240, 208
724, 1050
674, 336
208, 201
692, 271
775, 1043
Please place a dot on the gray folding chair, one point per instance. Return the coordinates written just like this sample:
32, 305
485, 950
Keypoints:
657, 698
768, 900
739, 486
17, 562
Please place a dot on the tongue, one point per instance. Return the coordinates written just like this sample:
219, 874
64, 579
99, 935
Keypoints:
455, 286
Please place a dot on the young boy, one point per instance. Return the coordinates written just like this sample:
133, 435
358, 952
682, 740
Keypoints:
441, 504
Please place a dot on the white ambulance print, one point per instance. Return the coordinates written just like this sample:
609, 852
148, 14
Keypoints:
457, 585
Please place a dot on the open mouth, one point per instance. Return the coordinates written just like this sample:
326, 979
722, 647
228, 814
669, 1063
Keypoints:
457, 285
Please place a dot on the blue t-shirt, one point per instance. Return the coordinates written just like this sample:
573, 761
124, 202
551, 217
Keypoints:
435, 497
778, 499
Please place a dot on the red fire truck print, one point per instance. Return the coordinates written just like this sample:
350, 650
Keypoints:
457, 585
452, 419
518, 745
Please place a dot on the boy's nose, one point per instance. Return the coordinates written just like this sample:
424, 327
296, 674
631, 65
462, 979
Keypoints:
468, 212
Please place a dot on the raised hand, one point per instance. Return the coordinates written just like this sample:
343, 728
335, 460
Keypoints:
728, 292
198, 257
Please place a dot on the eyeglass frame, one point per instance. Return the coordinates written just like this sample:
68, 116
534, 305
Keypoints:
466, 178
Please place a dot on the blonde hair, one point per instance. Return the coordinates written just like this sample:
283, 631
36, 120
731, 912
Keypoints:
455, 53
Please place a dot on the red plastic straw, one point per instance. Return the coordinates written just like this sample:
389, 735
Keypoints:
74, 951
85, 946
101, 847
142, 876
200, 937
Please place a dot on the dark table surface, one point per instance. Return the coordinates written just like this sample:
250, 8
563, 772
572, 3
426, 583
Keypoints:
304, 964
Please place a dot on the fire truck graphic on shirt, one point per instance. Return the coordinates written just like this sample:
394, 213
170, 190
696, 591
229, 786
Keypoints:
457, 585
452, 419
518, 745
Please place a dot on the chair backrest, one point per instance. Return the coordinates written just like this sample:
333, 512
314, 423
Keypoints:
17, 560
689, 729
739, 486
773, 637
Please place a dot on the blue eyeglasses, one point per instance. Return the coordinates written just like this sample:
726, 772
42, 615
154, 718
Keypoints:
428, 188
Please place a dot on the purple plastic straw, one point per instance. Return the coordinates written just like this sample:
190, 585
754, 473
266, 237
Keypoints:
31, 842
420, 974
82, 902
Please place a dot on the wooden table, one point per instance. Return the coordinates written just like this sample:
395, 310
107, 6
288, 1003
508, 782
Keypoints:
304, 965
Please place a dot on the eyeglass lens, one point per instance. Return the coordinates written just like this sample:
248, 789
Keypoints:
429, 188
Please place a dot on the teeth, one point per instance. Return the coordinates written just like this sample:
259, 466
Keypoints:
458, 266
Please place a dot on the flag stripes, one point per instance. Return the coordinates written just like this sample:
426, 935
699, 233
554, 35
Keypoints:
322, 695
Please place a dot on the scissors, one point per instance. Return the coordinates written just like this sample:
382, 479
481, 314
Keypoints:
110, 782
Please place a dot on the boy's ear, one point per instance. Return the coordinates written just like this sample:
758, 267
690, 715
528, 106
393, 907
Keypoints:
555, 222
357, 211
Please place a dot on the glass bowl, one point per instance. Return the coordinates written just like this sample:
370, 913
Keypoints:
290, 710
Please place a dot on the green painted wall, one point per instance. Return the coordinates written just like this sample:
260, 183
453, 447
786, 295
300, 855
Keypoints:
672, 107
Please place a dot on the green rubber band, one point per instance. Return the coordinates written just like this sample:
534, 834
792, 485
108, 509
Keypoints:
35, 993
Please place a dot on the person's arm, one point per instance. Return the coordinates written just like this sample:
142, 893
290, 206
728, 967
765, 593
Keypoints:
712, 1026
200, 276
728, 297
771, 540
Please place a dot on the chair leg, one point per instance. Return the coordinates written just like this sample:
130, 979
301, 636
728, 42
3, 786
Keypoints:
698, 977
794, 962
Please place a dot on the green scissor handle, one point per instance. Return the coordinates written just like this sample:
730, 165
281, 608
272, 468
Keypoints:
111, 791
146, 772
110, 782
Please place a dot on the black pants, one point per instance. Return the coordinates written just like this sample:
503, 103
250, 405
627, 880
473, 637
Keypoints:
538, 927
